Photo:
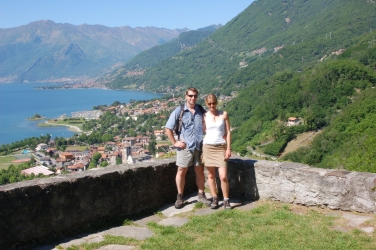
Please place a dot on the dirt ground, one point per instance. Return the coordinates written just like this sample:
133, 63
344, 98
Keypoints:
301, 140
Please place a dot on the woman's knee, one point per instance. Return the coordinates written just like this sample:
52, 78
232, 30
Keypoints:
223, 176
211, 172
223, 179
211, 176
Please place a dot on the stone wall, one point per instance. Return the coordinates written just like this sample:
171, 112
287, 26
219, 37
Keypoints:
33, 212
301, 184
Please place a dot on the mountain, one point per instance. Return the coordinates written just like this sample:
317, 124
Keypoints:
46, 50
311, 60
265, 38
153, 56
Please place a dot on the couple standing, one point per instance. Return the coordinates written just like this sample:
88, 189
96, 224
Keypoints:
215, 147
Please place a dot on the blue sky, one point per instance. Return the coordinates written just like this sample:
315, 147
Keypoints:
170, 14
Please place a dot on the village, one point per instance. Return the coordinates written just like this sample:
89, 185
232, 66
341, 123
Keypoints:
119, 150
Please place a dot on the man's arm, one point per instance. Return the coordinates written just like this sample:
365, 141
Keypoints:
171, 137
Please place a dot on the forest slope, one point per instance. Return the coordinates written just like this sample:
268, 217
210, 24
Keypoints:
320, 97
267, 37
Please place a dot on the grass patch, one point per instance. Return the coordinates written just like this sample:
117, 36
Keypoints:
199, 204
5, 161
108, 240
265, 227
159, 214
128, 222
79, 148
271, 225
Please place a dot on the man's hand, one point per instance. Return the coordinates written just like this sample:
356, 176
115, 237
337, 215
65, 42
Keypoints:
180, 144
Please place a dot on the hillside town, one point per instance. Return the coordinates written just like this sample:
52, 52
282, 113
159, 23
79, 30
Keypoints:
119, 150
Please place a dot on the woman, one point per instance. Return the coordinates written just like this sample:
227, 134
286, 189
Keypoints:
217, 149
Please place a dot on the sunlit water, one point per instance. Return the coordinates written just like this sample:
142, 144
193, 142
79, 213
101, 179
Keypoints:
19, 101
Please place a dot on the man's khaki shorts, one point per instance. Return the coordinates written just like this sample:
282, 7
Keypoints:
186, 158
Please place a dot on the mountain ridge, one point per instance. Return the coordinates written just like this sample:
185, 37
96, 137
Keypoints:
148, 58
103, 47
314, 28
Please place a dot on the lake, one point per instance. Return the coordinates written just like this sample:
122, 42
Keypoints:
19, 101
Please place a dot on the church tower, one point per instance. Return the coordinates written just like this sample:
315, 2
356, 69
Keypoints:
125, 153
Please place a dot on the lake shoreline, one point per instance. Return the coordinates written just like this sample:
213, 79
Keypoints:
36, 119
70, 127
14, 113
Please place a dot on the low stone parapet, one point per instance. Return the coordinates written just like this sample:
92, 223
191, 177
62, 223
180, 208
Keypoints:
37, 211
301, 184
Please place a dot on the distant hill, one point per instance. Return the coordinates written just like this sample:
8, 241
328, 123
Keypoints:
148, 58
267, 37
45, 50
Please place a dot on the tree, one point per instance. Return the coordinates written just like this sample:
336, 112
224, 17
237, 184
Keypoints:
103, 164
92, 164
96, 157
106, 138
116, 103
118, 161
12, 179
151, 147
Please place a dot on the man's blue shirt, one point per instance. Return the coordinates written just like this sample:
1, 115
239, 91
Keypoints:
191, 131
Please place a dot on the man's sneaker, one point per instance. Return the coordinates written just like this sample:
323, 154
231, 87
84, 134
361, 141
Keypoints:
179, 201
226, 204
214, 204
202, 198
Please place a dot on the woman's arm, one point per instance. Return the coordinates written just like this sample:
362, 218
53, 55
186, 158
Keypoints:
204, 123
228, 134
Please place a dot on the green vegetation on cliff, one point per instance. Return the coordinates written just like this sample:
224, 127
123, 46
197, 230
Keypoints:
349, 142
320, 97
269, 37
148, 58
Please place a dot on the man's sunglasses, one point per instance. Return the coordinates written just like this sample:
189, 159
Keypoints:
195, 96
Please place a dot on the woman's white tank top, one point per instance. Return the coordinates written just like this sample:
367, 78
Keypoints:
215, 131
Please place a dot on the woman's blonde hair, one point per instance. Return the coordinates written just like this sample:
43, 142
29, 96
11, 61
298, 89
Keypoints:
211, 98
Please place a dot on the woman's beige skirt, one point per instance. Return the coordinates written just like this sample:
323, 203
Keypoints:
214, 155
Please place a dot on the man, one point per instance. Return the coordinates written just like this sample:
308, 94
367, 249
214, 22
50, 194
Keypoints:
188, 145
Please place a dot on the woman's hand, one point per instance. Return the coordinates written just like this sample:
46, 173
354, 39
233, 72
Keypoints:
227, 154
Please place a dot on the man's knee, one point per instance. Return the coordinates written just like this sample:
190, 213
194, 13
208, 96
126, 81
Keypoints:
181, 171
